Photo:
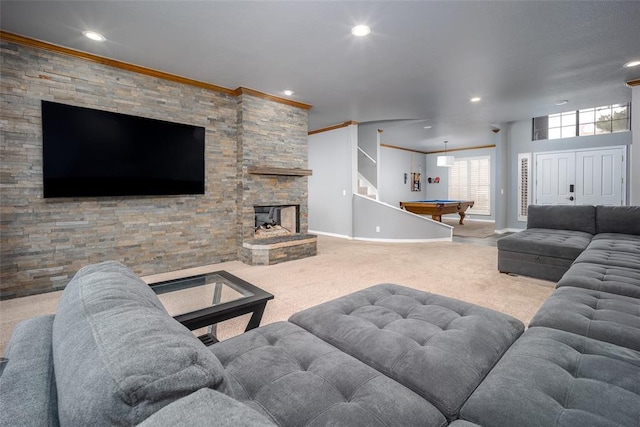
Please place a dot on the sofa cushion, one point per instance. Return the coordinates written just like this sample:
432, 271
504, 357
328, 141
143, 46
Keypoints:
439, 347
27, 383
296, 379
563, 244
118, 355
599, 277
618, 219
555, 378
612, 258
616, 243
594, 314
559, 217
207, 407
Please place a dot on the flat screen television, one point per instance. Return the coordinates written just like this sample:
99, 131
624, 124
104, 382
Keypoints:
94, 153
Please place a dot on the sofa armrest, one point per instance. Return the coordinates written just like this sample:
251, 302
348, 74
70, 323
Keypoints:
207, 407
27, 382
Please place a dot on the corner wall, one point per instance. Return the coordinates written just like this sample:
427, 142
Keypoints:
333, 159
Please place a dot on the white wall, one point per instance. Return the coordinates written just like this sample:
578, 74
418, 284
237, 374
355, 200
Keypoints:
333, 160
393, 164
634, 163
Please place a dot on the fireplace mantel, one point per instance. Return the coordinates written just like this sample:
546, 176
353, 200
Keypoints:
268, 170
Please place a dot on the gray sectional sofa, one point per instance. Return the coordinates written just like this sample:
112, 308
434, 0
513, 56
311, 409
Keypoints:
384, 356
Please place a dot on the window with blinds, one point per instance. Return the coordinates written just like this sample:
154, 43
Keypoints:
470, 179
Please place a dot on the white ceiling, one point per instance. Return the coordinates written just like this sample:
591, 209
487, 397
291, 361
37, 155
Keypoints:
421, 63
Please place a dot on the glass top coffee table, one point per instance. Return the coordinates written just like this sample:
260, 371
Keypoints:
207, 299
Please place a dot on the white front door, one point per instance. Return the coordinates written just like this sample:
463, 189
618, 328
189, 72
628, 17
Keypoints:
599, 177
555, 178
586, 177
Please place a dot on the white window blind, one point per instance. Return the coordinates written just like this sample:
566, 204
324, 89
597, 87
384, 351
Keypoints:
524, 185
470, 179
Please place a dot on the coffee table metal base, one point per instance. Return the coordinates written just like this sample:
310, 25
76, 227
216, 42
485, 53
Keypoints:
246, 298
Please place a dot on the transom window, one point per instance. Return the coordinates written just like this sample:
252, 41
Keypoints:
590, 121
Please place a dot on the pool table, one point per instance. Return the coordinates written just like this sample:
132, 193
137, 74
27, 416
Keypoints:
437, 208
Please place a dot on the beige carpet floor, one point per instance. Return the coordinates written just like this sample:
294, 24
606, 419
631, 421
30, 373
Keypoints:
460, 270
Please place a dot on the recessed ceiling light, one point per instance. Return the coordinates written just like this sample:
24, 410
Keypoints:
632, 64
288, 92
475, 99
428, 127
94, 36
360, 30
562, 102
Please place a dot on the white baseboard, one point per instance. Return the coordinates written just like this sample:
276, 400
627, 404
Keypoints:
368, 239
324, 233
509, 230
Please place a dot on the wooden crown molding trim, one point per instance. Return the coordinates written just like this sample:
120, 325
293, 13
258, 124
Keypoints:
632, 83
395, 147
246, 91
112, 62
334, 127
478, 147
26, 41
439, 151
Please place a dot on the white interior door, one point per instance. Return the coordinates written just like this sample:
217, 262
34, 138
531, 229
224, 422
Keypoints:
586, 177
555, 178
599, 177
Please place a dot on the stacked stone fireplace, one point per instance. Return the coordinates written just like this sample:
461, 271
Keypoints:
273, 192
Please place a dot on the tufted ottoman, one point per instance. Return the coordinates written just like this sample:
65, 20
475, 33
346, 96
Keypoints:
296, 379
555, 378
439, 347
599, 315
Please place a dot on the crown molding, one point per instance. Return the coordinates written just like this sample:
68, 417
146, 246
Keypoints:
632, 83
334, 127
246, 91
27, 41
461, 149
395, 147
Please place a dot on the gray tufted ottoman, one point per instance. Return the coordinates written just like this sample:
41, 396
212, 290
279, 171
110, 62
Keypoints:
296, 379
599, 315
555, 378
439, 347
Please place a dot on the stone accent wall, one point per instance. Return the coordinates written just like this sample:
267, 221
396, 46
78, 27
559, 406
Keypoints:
44, 242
